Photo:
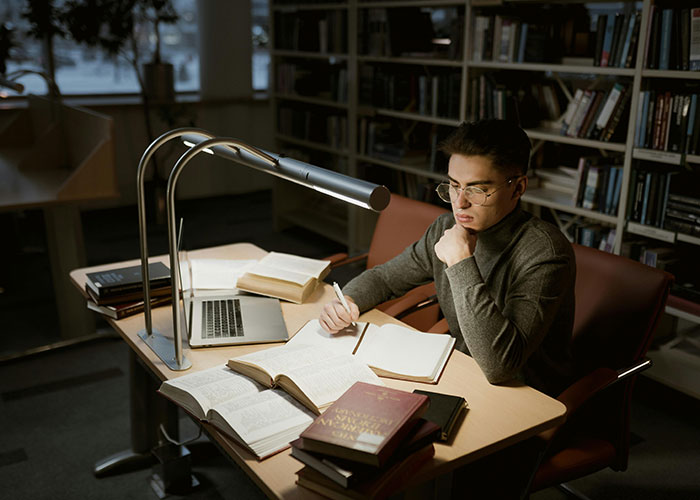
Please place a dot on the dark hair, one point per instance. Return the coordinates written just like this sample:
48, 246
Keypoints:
502, 141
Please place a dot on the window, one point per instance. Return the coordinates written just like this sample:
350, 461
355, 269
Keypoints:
81, 70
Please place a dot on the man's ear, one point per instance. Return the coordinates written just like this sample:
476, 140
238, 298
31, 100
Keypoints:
520, 187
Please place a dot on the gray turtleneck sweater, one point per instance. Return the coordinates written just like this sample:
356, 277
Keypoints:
510, 306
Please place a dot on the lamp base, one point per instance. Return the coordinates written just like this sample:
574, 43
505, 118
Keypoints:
165, 349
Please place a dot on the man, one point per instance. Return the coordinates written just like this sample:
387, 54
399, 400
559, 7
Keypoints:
504, 278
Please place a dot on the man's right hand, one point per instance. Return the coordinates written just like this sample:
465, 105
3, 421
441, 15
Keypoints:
334, 317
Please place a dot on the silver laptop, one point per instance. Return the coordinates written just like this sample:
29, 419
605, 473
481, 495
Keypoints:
228, 319
217, 318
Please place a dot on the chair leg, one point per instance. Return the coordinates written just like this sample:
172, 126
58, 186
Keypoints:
572, 492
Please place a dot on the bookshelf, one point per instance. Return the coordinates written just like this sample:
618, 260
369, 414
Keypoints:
403, 94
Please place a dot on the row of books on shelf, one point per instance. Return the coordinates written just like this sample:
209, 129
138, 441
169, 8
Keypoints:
305, 124
409, 32
617, 37
596, 113
673, 39
599, 183
411, 91
649, 253
322, 31
668, 122
682, 214
306, 80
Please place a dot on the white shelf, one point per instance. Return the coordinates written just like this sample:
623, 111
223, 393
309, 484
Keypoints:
308, 55
422, 61
417, 117
667, 157
562, 201
555, 68
679, 75
312, 100
651, 232
309, 6
411, 169
312, 145
410, 3
688, 238
554, 136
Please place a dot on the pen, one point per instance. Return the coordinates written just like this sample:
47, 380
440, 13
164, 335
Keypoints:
342, 300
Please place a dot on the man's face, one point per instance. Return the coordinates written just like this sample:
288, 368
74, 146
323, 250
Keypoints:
503, 192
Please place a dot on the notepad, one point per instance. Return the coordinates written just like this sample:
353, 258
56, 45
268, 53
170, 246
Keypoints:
391, 350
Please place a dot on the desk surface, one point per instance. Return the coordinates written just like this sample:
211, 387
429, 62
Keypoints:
498, 416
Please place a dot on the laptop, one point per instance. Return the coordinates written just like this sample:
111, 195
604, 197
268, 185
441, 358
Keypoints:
222, 317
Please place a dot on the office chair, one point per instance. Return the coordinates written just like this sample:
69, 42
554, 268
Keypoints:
618, 305
403, 222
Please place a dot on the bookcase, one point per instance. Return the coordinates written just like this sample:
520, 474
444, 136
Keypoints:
370, 87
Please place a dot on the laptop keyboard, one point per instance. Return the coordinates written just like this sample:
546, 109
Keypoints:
221, 319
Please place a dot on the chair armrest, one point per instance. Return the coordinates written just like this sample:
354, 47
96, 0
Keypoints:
440, 327
342, 259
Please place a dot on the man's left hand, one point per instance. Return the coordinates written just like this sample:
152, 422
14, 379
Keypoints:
456, 244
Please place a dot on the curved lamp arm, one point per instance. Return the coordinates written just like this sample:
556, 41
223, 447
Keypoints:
140, 177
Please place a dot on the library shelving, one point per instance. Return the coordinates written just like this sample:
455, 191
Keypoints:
575, 75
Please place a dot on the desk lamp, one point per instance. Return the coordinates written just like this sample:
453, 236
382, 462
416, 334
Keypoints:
362, 193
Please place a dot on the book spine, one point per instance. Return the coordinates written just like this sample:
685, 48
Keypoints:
665, 46
608, 108
607, 40
691, 123
647, 37
599, 38
641, 115
694, 55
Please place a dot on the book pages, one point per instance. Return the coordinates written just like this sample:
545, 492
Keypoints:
404, 352
343, 342
302, 265
277, 273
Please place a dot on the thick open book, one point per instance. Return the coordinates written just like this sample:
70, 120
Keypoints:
284, 276
262, 420
315, 375
392, 351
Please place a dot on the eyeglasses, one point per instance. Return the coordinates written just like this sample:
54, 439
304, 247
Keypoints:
474, 195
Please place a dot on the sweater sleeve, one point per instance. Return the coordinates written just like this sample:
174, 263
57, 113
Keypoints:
411, 268
502, 340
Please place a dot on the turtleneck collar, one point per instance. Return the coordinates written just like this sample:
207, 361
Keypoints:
492, 241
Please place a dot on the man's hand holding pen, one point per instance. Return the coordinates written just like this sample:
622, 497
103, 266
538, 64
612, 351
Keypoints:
337, 315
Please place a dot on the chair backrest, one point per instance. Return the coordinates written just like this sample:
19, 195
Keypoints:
400, 224
618, 306
619, 303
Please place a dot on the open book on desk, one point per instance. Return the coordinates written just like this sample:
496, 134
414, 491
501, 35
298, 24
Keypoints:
315, 375
392, 351
262, 420
284, 276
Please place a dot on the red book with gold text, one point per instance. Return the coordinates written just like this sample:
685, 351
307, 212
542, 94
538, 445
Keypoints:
366, 424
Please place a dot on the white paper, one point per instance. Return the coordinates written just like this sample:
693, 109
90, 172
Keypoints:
213, 274
342, 342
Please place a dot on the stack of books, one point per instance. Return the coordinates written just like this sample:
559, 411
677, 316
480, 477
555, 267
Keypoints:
368, 444
118, 293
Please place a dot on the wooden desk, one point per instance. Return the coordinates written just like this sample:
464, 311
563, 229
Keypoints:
498, 416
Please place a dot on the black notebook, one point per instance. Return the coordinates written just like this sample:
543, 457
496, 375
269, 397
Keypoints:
444, 410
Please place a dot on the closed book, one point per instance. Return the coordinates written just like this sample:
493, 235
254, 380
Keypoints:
694, 50
391, 481
127, 279
607, 40
599, 37
632, 53
348, 473
665, 43
444, 410
621, 21
125, 309
654, 39
127, 296
366, 424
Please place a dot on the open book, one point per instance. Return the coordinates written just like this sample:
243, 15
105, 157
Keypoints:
313, 374
392, 351
284, 276
262, 420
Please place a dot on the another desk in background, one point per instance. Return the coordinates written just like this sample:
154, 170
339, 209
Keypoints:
498, 416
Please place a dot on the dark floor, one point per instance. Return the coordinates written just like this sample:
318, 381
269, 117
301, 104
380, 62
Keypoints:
62, 411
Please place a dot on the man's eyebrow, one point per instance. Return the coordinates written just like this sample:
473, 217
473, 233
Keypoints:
473, 183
